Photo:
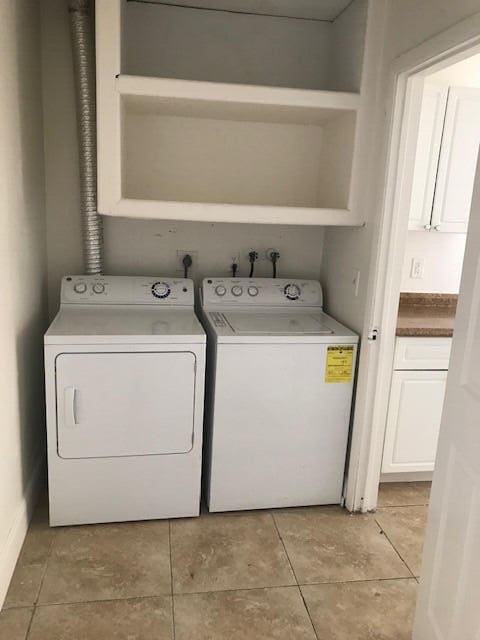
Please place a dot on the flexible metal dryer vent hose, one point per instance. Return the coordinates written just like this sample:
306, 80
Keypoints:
84, 67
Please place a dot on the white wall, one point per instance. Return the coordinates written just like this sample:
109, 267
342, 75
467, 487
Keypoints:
150, 246
407, 24
443, 260
135, 246
185, 43
462, 74
23, 269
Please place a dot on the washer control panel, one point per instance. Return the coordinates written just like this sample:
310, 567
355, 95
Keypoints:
261, 291
99, 289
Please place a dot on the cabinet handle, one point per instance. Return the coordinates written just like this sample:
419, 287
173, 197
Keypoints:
437, 227
69, 397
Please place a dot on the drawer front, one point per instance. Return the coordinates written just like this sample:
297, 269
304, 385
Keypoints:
422, 353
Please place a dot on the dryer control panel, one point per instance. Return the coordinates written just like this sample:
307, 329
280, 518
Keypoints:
125, 290
271, 292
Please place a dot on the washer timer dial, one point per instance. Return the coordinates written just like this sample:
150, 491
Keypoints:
292, 291
160, 289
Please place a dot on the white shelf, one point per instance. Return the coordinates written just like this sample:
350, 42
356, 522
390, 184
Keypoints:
217, 212
235, 101
200, 150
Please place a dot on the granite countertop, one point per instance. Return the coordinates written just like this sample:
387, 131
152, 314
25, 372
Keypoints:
426, 315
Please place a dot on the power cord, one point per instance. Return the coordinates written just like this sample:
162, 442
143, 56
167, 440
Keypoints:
187, 263
252, 256
274, 257
234, 268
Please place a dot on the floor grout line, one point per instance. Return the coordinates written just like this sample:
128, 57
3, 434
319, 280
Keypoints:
294, 574
30, 623
102, 600
284, 548
171, 576
401, 506
200, 593
47, 559
394, 548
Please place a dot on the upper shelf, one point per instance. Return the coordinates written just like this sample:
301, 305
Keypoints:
222, 101
198, 118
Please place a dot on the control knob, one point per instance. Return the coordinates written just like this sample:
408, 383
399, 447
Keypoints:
220, 290
160, 289
292, 291
79, 287
98, 287
237, 290
252, 291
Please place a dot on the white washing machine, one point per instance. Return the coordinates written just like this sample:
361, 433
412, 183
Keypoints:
125, 366
280, 376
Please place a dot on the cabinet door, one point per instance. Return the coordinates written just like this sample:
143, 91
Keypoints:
458, 161
432, 115
413, 422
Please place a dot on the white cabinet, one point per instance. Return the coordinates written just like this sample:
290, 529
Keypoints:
432, 115
415, 405
445, 159
458, 160
219, 116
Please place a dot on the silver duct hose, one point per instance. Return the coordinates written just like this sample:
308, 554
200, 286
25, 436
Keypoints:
84, 67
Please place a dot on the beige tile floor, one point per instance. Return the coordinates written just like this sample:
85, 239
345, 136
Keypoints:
295, 574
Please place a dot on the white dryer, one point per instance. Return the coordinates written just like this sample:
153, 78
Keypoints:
124, 363
280, 376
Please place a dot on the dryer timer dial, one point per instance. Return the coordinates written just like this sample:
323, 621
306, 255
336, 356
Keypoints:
292, 291
160, 289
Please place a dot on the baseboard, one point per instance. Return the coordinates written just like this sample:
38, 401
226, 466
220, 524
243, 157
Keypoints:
9, 554
409, 476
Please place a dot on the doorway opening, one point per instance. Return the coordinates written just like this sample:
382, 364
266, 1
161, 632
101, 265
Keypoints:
446, 114
433, 154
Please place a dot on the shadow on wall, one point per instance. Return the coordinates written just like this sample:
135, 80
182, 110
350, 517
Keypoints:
28, 241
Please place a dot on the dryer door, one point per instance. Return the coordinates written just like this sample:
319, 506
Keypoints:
124, 404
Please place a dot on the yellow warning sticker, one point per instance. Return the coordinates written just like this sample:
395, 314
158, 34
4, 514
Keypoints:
339, 363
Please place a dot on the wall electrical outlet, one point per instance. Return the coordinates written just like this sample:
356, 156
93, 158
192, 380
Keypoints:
180, 254
417, 268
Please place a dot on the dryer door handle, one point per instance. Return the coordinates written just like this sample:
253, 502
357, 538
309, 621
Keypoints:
69, 405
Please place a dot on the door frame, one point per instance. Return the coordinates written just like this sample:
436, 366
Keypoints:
403, 81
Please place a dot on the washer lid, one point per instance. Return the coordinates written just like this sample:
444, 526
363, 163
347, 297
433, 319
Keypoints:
277, 324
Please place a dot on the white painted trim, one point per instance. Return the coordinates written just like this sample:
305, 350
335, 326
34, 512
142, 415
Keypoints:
10, 552
216, 212
409, 476
236, 93
376, 362
108, 21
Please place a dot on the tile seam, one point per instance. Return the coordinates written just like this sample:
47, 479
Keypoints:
294, 575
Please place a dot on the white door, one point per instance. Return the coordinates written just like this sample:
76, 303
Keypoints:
413, 422
458, 159
430, 127
449, 595
124, 404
